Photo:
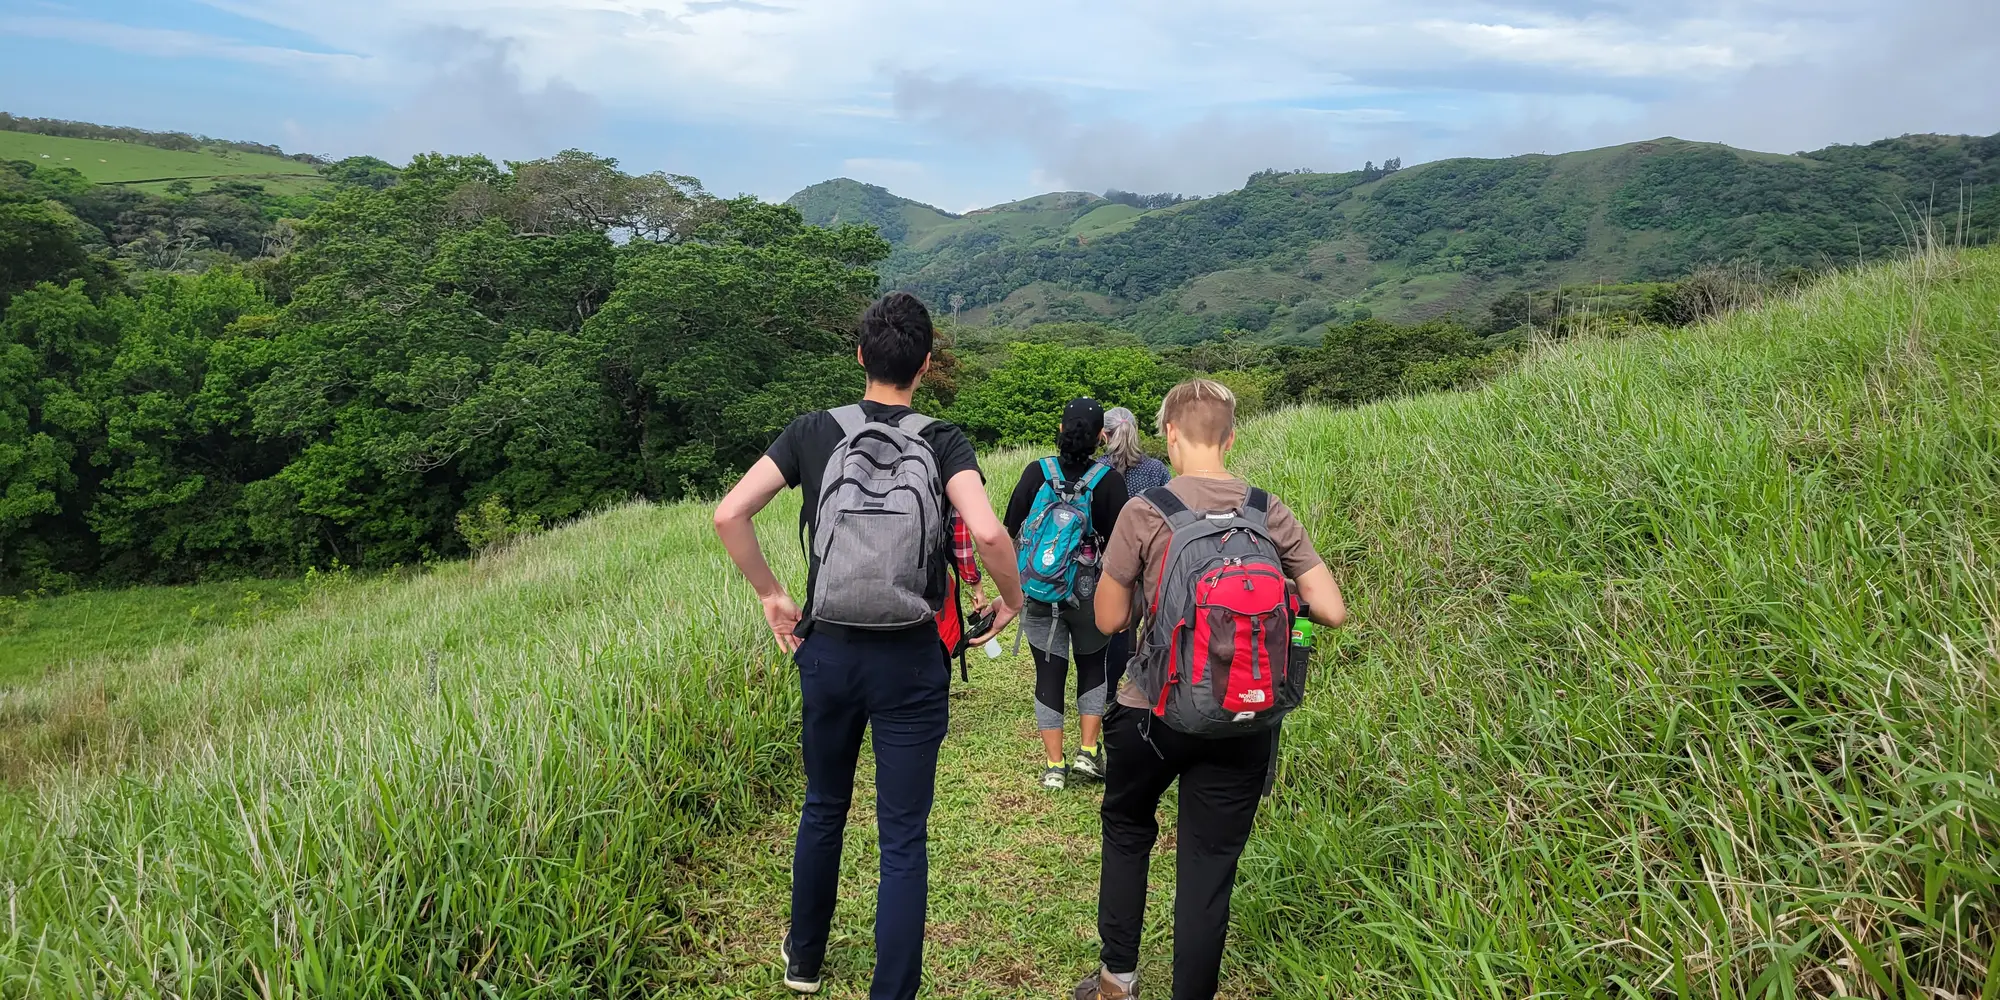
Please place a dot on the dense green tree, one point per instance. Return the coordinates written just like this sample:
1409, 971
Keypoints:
361, 171
1021, 400
1366, 361
51, 338
170, 430
706, 335
554, 335
427, 338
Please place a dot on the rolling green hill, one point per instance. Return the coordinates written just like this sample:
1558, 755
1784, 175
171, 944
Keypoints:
841, 201
1671, 675
150, 168
1290, 252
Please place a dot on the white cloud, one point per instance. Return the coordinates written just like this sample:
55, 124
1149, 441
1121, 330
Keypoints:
1359, 115
776, 61
475, 101
1600, 47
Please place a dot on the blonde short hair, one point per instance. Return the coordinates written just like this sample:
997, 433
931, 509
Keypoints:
1203, 409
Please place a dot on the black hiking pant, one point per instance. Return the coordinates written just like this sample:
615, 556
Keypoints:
1221, 784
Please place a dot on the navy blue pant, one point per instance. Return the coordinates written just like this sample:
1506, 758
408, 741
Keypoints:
897, 685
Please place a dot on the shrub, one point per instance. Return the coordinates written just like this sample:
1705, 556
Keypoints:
1445, 374
1707, 292
492, 525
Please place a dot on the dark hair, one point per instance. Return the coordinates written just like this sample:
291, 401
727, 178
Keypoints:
1082, 422
896, 336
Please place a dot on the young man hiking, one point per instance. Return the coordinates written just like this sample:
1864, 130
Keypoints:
879, 482
1221, 570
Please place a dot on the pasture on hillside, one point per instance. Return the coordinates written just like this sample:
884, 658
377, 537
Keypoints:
150, 168
1673, 673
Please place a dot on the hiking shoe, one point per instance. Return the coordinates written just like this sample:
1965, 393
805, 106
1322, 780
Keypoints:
1098, 986
1089, 764
798, 978
1055, 777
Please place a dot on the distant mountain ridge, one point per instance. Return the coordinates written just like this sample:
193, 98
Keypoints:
1290, 252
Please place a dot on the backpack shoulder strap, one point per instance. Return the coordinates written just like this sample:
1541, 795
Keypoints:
1098, 470
1170, 506
851, 418
1257, 509
913, 424
1052, 474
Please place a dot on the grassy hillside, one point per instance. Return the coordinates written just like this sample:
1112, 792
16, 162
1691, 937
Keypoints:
151, 168
846, 202
1677, 672
39, 633
1674, 674
494, 771
1455, 235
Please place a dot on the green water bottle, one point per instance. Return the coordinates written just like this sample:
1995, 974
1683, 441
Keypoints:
1302, 629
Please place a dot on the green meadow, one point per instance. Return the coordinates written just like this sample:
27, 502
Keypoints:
150, 168
1672, 674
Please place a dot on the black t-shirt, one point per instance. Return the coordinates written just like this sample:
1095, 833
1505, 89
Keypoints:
802, 449
1105, 501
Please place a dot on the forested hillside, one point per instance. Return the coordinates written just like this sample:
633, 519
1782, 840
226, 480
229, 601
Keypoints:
391, 363
1290, 253
842, 202
400, 362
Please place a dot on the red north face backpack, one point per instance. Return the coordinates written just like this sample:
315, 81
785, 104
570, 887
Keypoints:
1215, 659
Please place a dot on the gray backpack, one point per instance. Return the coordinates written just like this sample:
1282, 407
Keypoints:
878, 534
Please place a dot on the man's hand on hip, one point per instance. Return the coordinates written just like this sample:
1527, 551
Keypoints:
783, 616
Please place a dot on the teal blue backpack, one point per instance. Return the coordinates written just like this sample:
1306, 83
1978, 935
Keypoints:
1053, 570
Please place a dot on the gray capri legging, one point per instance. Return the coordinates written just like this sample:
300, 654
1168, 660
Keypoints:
1052, 635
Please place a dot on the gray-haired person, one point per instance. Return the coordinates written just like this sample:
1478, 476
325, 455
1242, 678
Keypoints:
1142, 472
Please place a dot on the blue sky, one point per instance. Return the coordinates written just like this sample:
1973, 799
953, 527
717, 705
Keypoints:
972, 102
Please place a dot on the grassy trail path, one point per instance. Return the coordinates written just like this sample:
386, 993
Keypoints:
1013, 903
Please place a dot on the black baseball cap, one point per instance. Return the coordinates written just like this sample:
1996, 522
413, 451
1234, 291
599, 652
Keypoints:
1083, 413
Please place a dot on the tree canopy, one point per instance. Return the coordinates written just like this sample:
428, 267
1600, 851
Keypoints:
558, 334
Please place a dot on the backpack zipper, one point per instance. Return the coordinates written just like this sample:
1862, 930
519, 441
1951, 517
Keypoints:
1256, 647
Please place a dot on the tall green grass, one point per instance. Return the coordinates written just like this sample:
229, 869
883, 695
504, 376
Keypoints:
1674, 672
493, 774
